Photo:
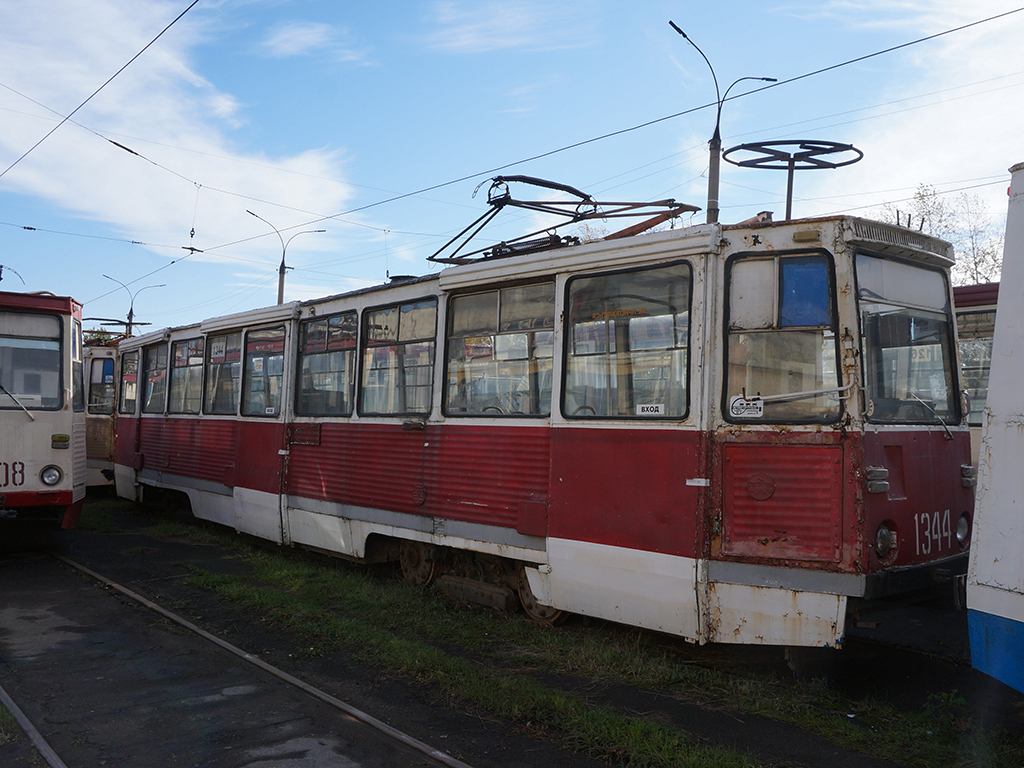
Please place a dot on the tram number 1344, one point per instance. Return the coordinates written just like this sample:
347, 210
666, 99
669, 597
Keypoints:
933, 529
12, 473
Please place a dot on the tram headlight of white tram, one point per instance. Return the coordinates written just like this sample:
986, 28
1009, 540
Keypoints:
885, 542
51, 475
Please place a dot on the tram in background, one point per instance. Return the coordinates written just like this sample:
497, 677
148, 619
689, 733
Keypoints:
727, 433
976, 325
995, 585
42, 408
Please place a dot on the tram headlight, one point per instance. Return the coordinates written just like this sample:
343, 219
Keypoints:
963, 530
51, 475
885, 542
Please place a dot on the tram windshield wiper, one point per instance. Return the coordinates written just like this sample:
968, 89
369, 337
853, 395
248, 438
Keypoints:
949, 435
20, 404
795, 395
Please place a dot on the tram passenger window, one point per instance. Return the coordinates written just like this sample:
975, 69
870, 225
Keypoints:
30, 361
398, 358
628, 342
77, 368
223, 370
907, 337
101, 386
263, 373
781, 340
499, 352
975, 330
327, 357
129, 382
154, 376
186, 376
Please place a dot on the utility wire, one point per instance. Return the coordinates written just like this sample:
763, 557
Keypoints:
109, 80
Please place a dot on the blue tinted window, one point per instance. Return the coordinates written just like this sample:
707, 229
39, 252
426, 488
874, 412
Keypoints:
804, 294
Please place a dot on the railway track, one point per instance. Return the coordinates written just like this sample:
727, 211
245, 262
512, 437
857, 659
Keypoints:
149, 688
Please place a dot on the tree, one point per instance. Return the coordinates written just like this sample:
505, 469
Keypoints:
964, 222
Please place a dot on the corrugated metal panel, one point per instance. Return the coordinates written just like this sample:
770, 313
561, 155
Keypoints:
782, 502
474, 474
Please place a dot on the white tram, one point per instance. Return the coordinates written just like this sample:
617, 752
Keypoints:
42, 410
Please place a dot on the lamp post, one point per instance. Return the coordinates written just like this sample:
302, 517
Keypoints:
715, 145
284, 249
131, 303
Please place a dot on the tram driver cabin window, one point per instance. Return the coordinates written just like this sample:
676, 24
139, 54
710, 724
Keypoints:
499, 352
628, 336
30, 365
154, 378
398, 358
129, 382
781, 348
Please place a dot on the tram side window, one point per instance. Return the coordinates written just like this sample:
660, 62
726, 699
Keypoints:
628, 342
907, 337
77, 368
154, 378
781, 340
398, 358
30, 366
327, 357
129, 382
499, 352
101, 386
223, 370
976, 330
263, 372
186, 376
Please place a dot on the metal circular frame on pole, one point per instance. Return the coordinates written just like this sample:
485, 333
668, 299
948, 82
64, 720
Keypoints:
809, 155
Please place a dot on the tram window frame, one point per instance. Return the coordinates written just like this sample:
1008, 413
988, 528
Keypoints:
975, 333
186, 376
913, 316
221, 357
384, 358
499, 358
263, 367
128, 404
101, 391
670, 404
756, 329
336, 343
150, 378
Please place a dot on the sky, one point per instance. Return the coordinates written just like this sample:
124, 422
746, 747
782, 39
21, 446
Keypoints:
376, 123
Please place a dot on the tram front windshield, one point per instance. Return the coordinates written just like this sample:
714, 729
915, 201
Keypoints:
906, 324
29, 361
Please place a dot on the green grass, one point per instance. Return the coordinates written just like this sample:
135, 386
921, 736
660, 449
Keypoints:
9, 729
549, 681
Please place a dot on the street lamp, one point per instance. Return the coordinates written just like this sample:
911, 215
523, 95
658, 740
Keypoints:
284, 249
715, 145
131, 303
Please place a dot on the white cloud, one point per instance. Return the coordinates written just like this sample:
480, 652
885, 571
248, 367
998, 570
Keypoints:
480, 27
305, 38
57, 52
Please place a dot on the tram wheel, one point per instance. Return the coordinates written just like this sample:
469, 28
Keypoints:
419, 561
542, 614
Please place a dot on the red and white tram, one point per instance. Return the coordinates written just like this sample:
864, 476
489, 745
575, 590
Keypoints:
727, 433
42, 408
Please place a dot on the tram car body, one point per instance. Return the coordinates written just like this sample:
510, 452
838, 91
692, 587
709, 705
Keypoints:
727, 433
42, 408
995, 584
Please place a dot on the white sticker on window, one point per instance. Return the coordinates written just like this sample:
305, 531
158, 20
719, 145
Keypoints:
741, 408
651, 409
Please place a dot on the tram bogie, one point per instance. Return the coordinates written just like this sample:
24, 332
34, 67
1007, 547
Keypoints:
727, 433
